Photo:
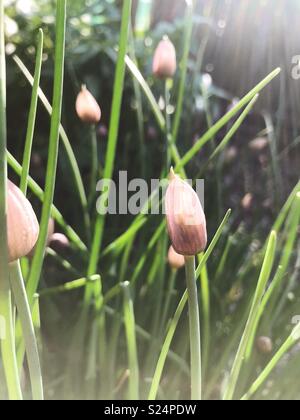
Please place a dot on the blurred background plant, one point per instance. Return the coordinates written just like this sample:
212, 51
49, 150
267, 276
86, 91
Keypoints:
234, 45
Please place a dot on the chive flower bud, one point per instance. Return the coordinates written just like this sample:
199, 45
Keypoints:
22, 224
59, 242
87, 107
185, 218
164, 61
264, 345
176, 261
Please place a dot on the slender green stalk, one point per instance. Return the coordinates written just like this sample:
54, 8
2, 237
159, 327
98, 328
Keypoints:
66, 143
31, 346
184, 67
113, 136
68, 287
129, 321
37, 262
232, 131
260, 290
287, 345
6, 315
227, 117
32, 114
173, 326
165, 349
169, 139
195, 336
94, 168
139, 111
287, 251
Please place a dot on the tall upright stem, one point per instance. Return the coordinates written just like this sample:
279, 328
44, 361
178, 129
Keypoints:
195, 337
24, 314
6, 320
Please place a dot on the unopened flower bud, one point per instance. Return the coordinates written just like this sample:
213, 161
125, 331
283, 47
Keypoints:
176, 261
87, 107
164, 61
22, 224
185, 218
59, 242
264, 345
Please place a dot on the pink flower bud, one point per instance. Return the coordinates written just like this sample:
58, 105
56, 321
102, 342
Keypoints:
22, 224
59, 242
264, 345
87, 107
176, 261
164, 62
185, 218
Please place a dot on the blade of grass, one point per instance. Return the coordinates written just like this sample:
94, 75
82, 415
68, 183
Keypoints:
38, 258
7, 340
225, 119
24, 313
184, 66
32, 114
66, 143
288, 344
260, 290
55, 213
112, 138
68, 287
129, 321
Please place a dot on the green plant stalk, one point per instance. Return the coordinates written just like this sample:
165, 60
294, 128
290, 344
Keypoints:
205, 303
262, 282
293, 224
68, 287
66, 143
183, 67
167, 305
112, 138
129, 321
55, 213
227, 117
94, 167
139, 110
31, 346
195, 336
32, 114
165, 351
289, 343
6, 317
146, 336
232, 131
62, 261
38, 258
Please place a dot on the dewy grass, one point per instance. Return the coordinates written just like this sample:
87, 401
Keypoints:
7, 333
